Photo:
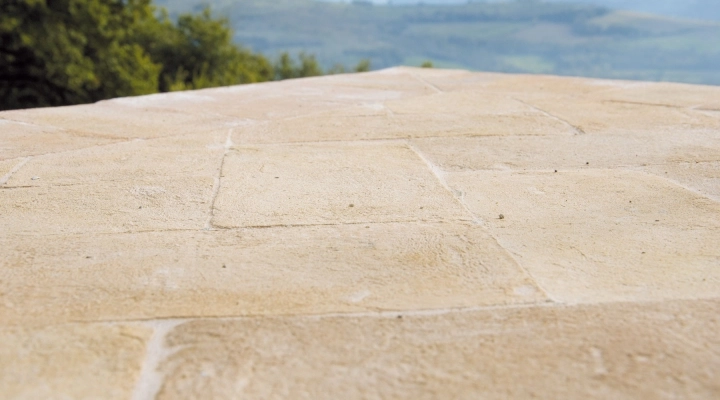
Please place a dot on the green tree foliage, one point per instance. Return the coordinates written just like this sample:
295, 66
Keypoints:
55, 52
60, 52
363, 66
426, 64
287, 68
197, 52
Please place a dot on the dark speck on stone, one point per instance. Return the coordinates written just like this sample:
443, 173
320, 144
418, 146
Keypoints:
399, 317
224, 266
555, 170
351, 205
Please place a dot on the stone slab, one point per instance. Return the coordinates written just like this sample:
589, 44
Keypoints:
601, 235
328, 184
620, 351
702, 177
185, 156
457, 114
71, 361
123, 120
607, 117
278, 271
578, 152
19, 139
107, 206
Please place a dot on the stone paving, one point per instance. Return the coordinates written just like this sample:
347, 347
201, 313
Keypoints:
400, 234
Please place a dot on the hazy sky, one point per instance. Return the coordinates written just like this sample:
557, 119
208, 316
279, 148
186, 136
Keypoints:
701, 9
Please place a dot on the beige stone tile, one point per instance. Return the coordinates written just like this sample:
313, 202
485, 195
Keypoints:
19, 139
287, 99
123, 119
569, 152
317, 269
601, 235
406, 119
621, 351
612, 117
328, 184
110, 206
703, 177
6, 167
443, 80
668, 94
186, 156
551, 86
71, 361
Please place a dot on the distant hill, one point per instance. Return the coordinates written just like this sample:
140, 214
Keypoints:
520, 36
695, 9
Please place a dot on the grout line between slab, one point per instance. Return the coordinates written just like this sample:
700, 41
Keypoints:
5, 178
164, 325
389, 139
439, 174
216, 185
576, 129
426, 83
150, 379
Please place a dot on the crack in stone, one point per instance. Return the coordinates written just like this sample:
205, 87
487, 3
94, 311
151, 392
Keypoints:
578, 130
439, 175
150, 381
459, 197
216, 186
5, 178
426, 83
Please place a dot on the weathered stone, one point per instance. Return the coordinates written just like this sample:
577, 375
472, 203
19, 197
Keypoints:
612, 117
457, 114
108, 206
405, 233
196, 155
329, 183
19, 139
278, 271
703, 177
618, 350
578, 152
94, 361
122, 119
601, 235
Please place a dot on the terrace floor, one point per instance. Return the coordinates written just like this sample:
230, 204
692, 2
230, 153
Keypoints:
399, 234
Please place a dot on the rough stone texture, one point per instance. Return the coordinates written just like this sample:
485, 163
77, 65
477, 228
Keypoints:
89, 361
371, 182
337, 268
619, 351
538, 236
610, 235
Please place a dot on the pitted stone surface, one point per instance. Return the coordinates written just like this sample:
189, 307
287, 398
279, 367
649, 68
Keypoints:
74, 361
537, 352
405, 233
275, 271
352, 183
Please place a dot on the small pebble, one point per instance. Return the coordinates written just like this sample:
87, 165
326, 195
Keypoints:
501, 216
35, 178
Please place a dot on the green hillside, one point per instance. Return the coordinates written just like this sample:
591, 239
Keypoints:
521, 36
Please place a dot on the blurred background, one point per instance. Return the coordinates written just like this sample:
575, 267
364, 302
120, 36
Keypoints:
55, 52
